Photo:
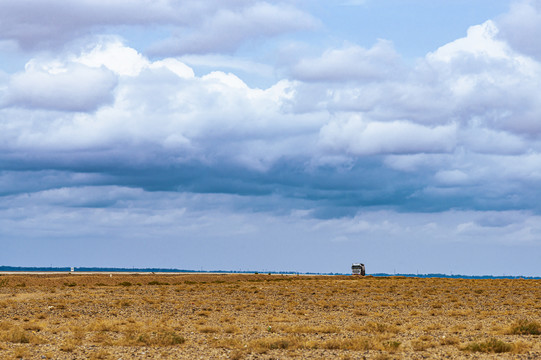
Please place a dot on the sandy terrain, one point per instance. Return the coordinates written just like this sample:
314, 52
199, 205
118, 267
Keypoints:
211, 316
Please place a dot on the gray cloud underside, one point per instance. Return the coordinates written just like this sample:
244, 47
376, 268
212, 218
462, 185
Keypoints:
211, 25
367, 183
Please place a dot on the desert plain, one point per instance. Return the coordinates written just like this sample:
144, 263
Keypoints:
263, 316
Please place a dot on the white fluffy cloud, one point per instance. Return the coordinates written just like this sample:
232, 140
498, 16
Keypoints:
359, 137
158, 103
70, 88
490, 84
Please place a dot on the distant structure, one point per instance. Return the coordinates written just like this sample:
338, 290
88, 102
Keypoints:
358, 269
72, 269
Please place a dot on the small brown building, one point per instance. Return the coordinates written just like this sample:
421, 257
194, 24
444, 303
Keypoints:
358, 269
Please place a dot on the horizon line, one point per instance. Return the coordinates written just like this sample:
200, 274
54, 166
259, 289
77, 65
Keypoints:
79, 269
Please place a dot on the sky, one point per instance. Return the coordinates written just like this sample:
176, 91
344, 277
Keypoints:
300, 135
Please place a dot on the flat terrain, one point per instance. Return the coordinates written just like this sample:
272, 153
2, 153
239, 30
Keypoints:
205, 316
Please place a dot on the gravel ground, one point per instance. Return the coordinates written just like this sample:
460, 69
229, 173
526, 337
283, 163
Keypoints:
238, 316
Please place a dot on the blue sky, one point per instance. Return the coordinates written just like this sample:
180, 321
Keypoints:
260, 135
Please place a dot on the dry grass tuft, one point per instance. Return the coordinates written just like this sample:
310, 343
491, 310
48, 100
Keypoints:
69, 345
489, 346
21, 353
309, 329
525, 327
18, 335
160, 338
101, 355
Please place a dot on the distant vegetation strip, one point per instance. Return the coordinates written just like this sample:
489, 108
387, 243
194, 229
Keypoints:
163, 270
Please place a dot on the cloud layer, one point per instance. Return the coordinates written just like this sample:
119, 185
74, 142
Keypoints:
464, 115
195, 27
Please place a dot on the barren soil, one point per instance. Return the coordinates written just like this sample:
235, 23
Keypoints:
206, 316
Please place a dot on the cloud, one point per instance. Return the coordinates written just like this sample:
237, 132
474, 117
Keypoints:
202, 26
71, 88
451, 177
352, 63
49, 24
359, 137
113, 55
231, 63
458, 127
172, 229
227, 29
488, 81
521, 26
480, 42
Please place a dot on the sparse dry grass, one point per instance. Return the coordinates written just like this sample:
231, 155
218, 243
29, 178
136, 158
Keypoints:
60, 316
526, 327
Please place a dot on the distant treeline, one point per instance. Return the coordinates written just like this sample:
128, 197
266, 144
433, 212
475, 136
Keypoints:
162, 270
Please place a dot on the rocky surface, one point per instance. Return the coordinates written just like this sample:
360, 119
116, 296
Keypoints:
206, 316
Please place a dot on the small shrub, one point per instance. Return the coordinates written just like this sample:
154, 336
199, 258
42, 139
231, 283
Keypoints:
208, 330
161, 338
103, 325
421, 345
392, 345
232, 329
169, 338
69, 345
100, 355
490, 346
372, 327
33, 326
334, 344
157, 283
18, 336
125, 283
271, 344
449, 340
525, 327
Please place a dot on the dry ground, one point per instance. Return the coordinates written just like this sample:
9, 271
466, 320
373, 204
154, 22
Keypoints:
205, 316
